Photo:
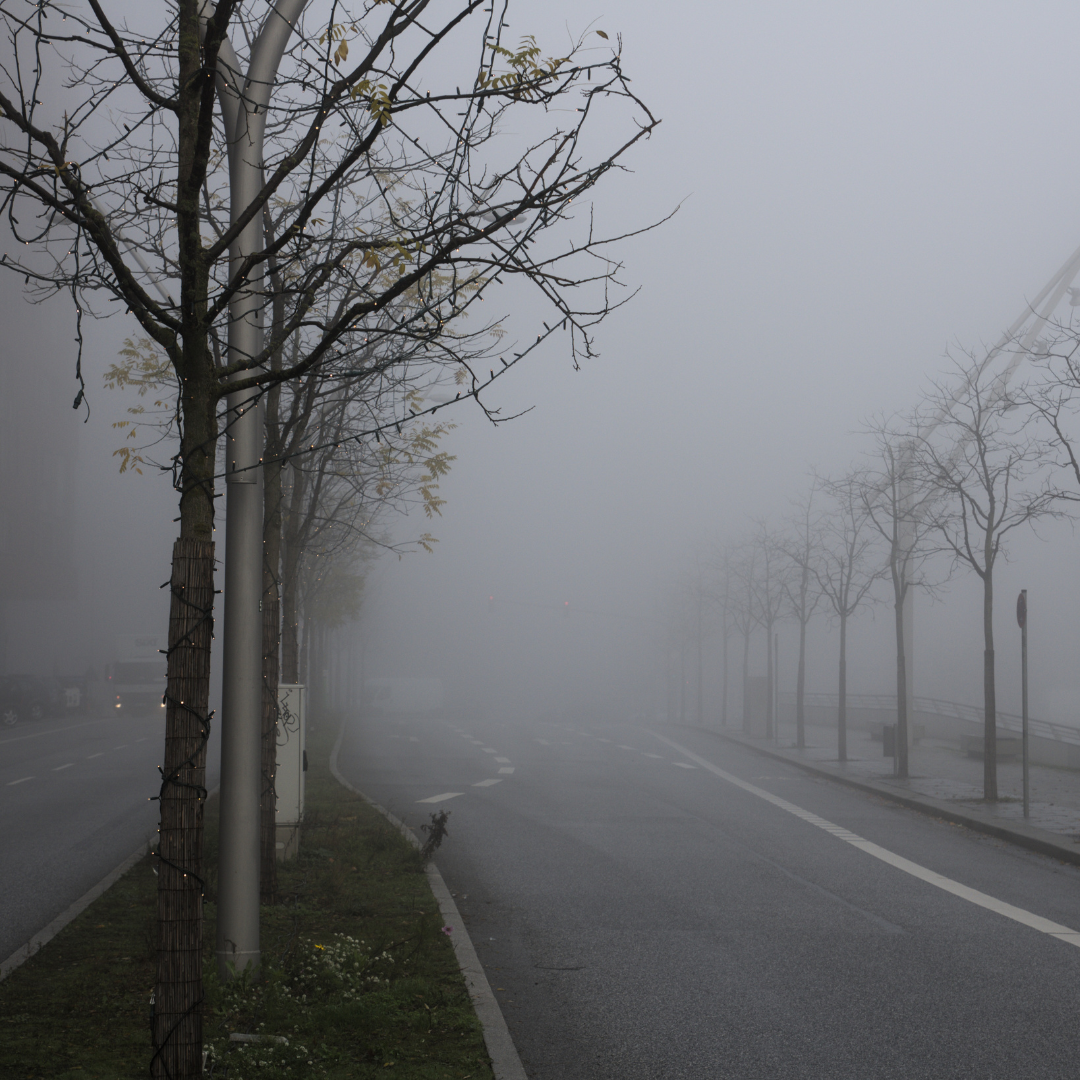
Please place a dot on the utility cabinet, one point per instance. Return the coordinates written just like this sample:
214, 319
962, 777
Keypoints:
291, 766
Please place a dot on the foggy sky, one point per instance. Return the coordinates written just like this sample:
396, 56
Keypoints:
861, 186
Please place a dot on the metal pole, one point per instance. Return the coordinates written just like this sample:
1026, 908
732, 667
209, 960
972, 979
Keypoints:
241, 706
1021, 618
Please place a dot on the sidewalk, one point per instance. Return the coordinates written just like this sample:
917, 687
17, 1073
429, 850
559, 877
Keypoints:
946, 783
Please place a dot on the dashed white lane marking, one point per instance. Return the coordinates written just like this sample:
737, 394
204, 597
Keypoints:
143, 739
543, 742
507, 769
965, 892
443, 797
490, 750
659, 757
12, 783
599, 739
683, 765
67, 766
503, 760
623, 747
487, 783
413, 738
122, 746
100, 753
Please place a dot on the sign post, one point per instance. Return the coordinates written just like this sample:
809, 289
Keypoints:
1021, 618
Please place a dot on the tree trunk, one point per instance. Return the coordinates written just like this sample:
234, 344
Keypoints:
700, 672
901, 693
682, 684
271, 634
800, 690
770, 674
724, 691
841, 707
178, 995
746, 683
990, 788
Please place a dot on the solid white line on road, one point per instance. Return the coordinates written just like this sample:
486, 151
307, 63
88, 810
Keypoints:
991, 903
12, 783
683, 765
122, 746
622, 747
100, 753
442, 798
486, 783
143, 739
507, 769
599, 739
67, 766
503, 760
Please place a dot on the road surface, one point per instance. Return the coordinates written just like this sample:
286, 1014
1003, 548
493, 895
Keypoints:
659, 903
74, 803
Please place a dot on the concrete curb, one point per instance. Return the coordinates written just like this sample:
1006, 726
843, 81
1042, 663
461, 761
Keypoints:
505, 1062
45, 935
1025, 836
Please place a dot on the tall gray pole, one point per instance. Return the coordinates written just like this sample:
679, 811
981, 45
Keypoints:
244, 105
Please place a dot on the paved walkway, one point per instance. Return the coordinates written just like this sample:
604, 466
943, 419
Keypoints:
939, 770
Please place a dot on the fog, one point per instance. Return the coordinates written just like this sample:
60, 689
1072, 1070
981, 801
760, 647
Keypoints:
858, 190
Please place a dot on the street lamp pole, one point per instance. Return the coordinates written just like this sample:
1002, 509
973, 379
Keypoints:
244, 102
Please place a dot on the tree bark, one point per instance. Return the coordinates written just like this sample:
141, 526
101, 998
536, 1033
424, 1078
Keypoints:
841, 705
901, 693
990, 787
178, 994
800, 690
746, 683
770, 718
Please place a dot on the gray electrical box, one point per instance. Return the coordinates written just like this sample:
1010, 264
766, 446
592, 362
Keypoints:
291, 766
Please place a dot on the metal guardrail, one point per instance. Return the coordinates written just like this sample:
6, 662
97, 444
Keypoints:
1044, 729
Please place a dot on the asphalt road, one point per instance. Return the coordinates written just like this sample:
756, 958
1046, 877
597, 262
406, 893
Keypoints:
650, 910
73, 805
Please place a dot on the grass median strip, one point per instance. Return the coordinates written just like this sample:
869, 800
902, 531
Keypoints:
359, 978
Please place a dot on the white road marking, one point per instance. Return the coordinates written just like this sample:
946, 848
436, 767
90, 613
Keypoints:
543, 742
413, 738
683, 765
507, 769
931, 877
100, 753
56, 731
122, 746
599, 739
659, 757
486, 783
67, 766
12, 783
622, 747
442, 798
503, 760
143, 739
490, 750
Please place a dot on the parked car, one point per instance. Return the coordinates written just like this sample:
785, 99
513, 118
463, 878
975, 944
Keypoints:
26, 697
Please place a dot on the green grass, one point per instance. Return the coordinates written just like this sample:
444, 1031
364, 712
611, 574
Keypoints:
357, 973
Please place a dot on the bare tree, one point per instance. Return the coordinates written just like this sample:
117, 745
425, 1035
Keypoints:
770, 585
744, 566
896, 501
991, 474
113, 177
846, 569
801, 545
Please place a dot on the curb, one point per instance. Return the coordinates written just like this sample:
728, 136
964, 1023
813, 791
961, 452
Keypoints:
1025, 836
45, 935
505, 1062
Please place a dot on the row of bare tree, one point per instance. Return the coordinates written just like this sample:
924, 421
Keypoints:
938, 490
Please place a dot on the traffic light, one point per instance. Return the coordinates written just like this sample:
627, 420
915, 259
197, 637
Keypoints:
491, 603
566, 609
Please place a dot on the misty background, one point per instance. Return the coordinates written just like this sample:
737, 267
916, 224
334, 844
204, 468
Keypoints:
860, 189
